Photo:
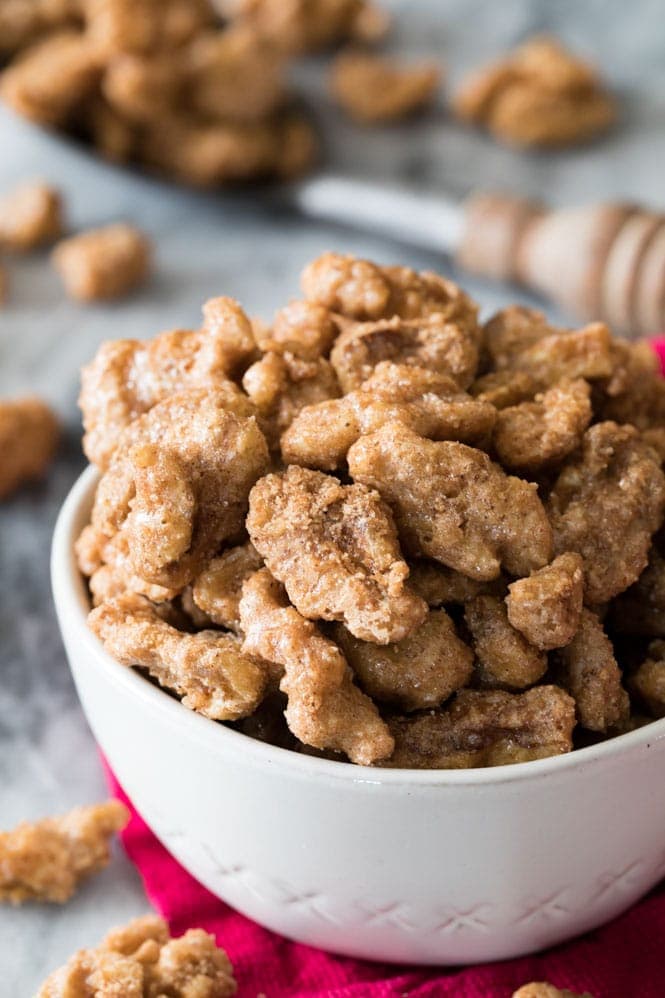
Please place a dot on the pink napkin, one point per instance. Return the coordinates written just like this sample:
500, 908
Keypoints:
623, 959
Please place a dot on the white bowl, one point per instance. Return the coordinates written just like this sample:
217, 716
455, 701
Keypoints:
431, 867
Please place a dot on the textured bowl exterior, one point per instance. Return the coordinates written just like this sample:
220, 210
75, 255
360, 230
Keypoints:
426, 867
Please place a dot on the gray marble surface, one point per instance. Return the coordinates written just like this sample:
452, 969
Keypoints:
209, 245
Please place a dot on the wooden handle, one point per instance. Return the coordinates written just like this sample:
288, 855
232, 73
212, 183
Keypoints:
604, 261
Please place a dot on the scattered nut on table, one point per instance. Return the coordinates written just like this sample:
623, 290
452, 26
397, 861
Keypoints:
29, 434
48, 859
540, 95
103, 264
142, 958
373, 89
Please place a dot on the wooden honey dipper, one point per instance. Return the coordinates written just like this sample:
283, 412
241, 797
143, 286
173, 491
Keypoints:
603, 261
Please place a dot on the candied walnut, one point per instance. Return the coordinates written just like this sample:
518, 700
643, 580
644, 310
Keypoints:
209, 153
103, 264
30, 216
358, 289
422, 670
29, 433
335, 549
301, 328
437, 584
138, 87
280, 385
433, 343
373, 89
50, 81
209, 670
127, 378
512, 330
504, 655
635, 392
486, 728
541, 95
110, 569
233, 75
178, 485
588, 669
48, 859
535, 435
325, 709
430, 404
216, 591
541, 989
521, 339
116, 26
453, 504
311, 25
546, 607
582, 353
141, 960
641, 608
112, 134
20, 25
606, 504
647, 683
504, 388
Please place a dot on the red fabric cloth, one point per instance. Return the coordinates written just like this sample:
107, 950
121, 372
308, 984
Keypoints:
624, 959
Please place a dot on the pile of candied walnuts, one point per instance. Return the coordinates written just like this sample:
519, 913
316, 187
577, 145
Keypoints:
376, 529
168, 84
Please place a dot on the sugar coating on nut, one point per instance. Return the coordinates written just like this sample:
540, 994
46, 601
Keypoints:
30, 216
103, 264
431, 404
606, 504
546, 606
209, 670
486, 728
373, 89
281, 384
505, 657
141, 959
325, 709
48, 859
453, 504
535, 435
589, 671
420, 671
540, 95
126, 378
29, 433
334, 547
216, 591
183, 470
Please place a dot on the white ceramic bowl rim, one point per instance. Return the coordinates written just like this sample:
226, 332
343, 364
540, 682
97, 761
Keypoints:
72, 600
